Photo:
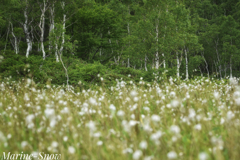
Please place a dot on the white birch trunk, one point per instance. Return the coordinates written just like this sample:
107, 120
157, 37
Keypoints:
206, 64
63, 33
200, 71
15, 44
128, 28
186, 63
145, 63
6, 40
231, 67
42, 28
52, 26
27, 33
178, 66
157, 54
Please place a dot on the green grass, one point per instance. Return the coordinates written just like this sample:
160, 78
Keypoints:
184, 120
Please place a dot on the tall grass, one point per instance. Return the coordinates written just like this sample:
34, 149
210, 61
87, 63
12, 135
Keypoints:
184, 120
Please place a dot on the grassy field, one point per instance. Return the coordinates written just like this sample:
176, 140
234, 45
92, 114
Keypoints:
182, 120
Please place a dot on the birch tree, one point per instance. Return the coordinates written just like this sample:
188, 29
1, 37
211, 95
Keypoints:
43, 7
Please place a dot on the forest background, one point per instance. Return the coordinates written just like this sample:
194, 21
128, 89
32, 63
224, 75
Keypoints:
76, 41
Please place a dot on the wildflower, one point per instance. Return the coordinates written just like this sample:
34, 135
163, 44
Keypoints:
174, 103
172, 94
135, 99
133, 123
203, 156
137, 154
54, 144
65, 138
156, 136
175, 129
92, 101
198, 127
192, 113
155, 118
230, 115
24, 144
172, 155
133, 93
65, 110
2, 137
143, 144
120, 113
216, 95
91, 126
49, 112
99, 143
112, 107
71, 150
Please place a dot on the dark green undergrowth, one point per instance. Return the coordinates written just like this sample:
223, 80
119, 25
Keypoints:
81, 73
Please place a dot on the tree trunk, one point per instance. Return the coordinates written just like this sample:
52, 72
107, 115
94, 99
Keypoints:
178, 65
205, 63
157, 54
200, 71
27, 33
145, 63
5, 47
231, 66
15, 44
52, 26
186, 63
42, 27
63, 33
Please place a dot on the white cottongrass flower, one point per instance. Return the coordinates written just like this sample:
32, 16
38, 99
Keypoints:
9, 136
99, 143
155, 118
216, 95
143, 144
126, 126
49, 112
175, 129
233, 81
2, 137
127, 150
173, 94
192, 113
92, 101
91, 126
65, 110
237, 101
71, 150
98, 134
222, 120
174, 103
133, 122
65, 138
112, 107
203, 156
24, 144
148, 158
30, 118
172, 155
156, 136
135, 99
120, 113
137, 154
230, 115
198, 127
54, 144
133, 93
